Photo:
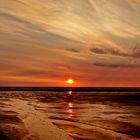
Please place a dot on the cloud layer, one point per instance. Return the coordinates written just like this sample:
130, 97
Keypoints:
50, 40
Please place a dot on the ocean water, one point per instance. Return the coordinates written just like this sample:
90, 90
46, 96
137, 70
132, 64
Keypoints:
88, 115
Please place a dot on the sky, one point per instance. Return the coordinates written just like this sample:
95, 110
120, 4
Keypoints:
45, 42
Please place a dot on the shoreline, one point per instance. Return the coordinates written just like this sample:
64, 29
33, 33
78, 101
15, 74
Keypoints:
22, 122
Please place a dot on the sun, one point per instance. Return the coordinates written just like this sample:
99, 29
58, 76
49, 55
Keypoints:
70, 81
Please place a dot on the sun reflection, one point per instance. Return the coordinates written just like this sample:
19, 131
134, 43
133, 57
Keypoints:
70, 93
70, 104
70, 110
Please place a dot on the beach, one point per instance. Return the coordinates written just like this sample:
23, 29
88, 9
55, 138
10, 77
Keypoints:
64, 116
20, 121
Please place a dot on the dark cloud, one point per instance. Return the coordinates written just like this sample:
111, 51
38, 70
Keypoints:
98, 50
73, 50
116, 65
103, 50
106, 50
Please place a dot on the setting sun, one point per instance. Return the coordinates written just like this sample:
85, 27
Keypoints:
70, 81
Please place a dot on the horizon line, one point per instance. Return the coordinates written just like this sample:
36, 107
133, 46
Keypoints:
98, 89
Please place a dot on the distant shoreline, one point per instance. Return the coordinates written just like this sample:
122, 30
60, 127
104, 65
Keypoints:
81, 89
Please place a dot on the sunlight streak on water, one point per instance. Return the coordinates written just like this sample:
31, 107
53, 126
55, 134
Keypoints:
70, 110
69, 93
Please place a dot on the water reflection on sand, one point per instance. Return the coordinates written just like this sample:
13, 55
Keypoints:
88, 116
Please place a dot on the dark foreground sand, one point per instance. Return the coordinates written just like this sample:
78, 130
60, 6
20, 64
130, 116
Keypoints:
11, 126
20, 121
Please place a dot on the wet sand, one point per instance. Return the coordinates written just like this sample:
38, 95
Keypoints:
20, 121
60, 116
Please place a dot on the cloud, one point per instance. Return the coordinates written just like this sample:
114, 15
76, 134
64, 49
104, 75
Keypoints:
136, 51
72, 50
38, 35
106, 50
116, 65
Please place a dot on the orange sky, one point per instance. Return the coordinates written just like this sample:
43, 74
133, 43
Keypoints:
95, 42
